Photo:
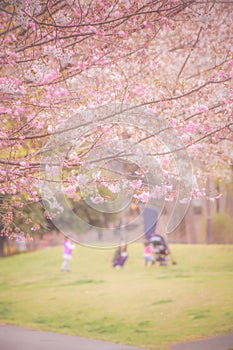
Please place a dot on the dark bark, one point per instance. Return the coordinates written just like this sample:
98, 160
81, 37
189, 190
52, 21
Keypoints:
3, 240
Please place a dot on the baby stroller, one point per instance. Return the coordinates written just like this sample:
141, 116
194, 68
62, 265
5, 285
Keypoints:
160, 248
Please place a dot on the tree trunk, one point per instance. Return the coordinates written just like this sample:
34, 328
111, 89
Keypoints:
2, 245
229, 196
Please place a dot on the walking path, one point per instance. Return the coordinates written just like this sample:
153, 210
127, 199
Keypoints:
223, 342
19, 338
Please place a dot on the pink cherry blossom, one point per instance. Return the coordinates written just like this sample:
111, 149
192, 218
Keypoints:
202, 108
97, 200
57, 63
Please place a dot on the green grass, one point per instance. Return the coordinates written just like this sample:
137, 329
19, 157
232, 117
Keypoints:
145, 307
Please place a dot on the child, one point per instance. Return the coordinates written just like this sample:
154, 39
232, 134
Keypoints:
148, 254
68, 248
120, 256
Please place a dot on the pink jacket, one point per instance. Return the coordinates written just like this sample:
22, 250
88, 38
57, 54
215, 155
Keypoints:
68, 247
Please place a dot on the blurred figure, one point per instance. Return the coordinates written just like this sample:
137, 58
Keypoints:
150, 218
120, 256
68, 248
148, 254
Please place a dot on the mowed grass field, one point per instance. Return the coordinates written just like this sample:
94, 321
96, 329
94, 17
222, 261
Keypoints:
145, 307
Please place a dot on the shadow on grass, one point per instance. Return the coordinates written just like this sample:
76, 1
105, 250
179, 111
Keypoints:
162, 301
79, 282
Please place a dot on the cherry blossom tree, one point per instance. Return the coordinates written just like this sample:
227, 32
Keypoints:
165, 63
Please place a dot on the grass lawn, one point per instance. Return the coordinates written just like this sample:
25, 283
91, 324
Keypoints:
145, 307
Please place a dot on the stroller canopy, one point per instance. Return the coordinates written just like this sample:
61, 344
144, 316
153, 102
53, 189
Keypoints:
158, 240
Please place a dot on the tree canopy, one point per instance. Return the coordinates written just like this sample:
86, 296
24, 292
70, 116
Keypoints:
90, 87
